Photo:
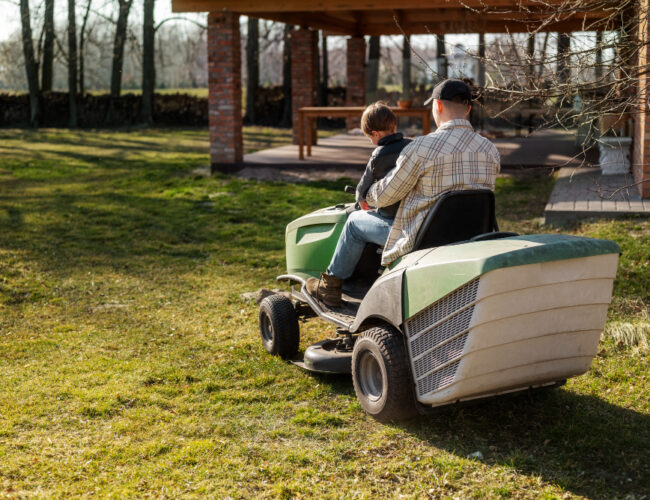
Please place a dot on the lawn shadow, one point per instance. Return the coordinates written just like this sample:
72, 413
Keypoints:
339, 383
151, 142
580, 442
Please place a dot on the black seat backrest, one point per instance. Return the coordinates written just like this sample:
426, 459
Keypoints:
458, 216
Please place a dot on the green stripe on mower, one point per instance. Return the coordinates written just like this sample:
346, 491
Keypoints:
442, 270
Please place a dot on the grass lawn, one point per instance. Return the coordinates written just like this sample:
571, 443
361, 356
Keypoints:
131, 367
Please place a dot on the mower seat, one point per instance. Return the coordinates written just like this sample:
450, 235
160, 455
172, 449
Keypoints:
459, 216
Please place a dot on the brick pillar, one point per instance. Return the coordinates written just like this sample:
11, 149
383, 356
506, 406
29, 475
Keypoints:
355, 88
224, 84
304, 57
641, 152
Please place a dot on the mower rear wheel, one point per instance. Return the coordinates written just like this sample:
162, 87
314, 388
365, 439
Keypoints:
279, 326
381, 375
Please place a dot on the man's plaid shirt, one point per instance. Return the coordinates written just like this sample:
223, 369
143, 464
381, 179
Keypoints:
454, 157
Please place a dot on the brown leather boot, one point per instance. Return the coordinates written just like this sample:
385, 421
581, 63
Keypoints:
327, 289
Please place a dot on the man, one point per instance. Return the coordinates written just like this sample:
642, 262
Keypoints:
452, 158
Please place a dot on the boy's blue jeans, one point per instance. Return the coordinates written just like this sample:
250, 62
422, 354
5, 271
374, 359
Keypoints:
361, 227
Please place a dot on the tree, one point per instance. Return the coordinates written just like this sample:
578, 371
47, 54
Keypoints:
72, 64
148, 64
118, 54
481, 60
406, 68
441, 56
325, 74
31, 66
118, 47
252, 66
530, 55
286, 76
81, 52
372, 76
48, 46
563, 63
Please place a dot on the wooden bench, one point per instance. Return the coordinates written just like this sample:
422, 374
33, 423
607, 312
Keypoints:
307, 115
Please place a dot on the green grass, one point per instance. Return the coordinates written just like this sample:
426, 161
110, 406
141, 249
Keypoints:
131, 367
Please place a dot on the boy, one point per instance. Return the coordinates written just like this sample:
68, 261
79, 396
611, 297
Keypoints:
379, 124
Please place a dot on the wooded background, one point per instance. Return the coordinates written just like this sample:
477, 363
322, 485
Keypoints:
83, 46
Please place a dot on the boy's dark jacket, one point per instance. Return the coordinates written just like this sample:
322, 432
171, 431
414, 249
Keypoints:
381, 162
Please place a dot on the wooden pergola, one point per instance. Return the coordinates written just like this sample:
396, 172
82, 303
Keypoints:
356, 19
393, 17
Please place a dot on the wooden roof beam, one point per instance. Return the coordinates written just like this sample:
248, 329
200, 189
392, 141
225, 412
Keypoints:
313, 20
475, 26
254, 7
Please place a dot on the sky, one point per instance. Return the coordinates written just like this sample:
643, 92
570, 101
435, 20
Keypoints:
10, 14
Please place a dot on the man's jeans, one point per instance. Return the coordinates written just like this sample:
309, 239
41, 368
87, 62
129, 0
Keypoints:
361, 227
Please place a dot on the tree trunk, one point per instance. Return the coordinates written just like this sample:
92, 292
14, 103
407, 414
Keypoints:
325, 74
480, 77
253, 67
286, 76
530, 55
319, 89
118, 55
542, 57
72, 65
372, 76
31, 66
406, 68
118, 47
48, 46
598, 69
148, 63
82, 43
563, 47
442, 57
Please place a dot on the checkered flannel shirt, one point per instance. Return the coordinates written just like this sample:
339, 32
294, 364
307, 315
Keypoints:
452, 158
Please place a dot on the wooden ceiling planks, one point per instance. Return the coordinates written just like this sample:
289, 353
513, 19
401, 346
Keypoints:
378, 17
252, 6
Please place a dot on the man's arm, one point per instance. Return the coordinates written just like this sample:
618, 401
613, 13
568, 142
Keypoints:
365, 182
398, 183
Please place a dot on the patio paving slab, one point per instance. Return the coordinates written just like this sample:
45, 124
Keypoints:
345, 155
584, 193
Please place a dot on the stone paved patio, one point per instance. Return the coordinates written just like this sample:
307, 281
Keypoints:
345, 155
579, 193
584, 193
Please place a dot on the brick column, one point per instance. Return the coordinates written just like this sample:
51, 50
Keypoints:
224, 90
641, 152
355, 87
304, 53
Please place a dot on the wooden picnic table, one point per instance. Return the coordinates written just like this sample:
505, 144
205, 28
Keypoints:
307, 115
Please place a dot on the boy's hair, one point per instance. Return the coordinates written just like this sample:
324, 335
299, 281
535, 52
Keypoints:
379, 117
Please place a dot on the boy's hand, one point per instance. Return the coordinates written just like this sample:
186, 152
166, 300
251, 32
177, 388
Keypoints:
364, 205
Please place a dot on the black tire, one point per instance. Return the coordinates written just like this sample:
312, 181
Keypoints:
382, 376
279, 328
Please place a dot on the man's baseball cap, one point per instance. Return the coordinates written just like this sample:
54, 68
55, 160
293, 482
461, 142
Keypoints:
449, 90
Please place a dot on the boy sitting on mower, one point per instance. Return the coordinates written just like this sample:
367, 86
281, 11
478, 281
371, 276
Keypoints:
454, 157
379, 124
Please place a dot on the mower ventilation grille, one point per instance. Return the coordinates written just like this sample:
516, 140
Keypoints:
436, 338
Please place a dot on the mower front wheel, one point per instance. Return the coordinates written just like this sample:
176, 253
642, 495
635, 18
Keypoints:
279, 326
381, 375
